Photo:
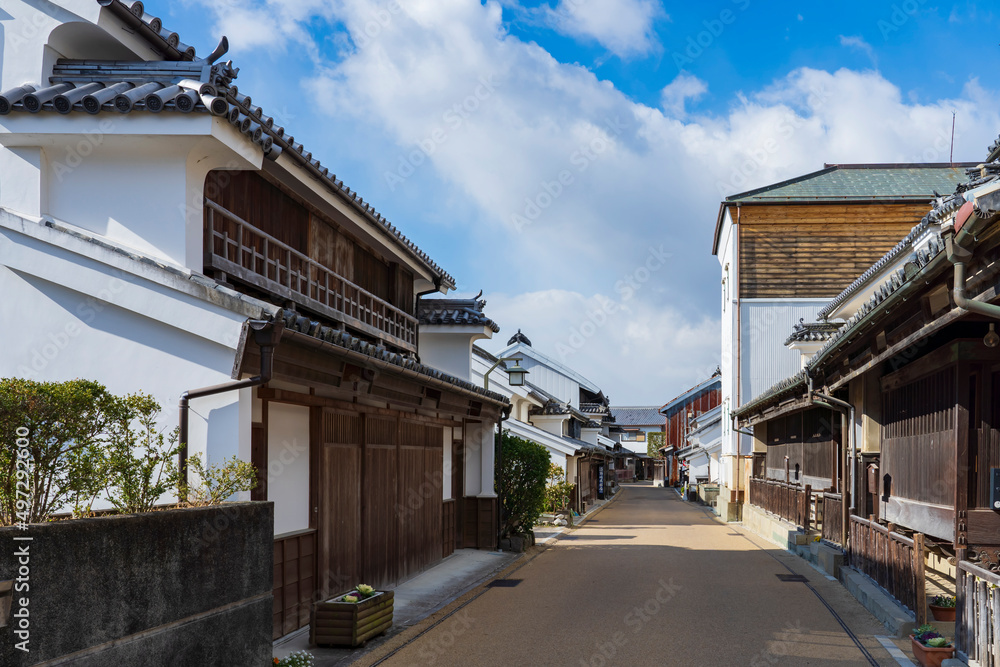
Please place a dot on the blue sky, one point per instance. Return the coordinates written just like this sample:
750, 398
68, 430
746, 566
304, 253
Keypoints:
568, 157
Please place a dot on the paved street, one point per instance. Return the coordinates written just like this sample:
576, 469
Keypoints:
652, 580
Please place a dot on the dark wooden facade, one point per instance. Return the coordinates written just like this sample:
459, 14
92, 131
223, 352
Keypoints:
815, 250
260, 237
804, 448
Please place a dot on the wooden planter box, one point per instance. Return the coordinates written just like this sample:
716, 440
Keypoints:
929, 656
350, 623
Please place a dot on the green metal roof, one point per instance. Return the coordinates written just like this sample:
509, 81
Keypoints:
862, 182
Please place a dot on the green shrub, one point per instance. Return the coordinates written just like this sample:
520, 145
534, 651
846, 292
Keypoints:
219, 482
62, 423
558, 491
136, 483
520, 479
655, 440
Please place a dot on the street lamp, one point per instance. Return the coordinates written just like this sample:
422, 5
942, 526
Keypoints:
515, 375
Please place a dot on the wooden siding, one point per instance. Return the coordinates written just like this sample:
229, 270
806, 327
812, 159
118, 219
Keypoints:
677, 420
816, 250
294, 581
919, 437
810, 439
448, 527
380, 514
986, 447
278, 214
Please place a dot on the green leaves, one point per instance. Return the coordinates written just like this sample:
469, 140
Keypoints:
219, 482
82, 441
655, 440
557, 491
520, 478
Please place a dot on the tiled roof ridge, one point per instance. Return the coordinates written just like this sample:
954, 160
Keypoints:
343, 339
812, 331
151, 29
454, 311
189, 93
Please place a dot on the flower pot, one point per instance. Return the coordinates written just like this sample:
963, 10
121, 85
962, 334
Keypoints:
943, 613
337, 623
929, 656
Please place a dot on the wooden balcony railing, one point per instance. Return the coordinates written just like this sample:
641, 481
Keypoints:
895, 562
237, 248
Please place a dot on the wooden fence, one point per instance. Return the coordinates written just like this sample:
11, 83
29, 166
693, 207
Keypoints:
237, 248
977, 618
895, 562
789, 501
833, 509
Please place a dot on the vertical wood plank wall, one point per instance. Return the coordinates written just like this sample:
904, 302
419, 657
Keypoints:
294, 581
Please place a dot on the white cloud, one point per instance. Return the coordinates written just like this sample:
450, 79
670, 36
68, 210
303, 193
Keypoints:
624, 27
684, 87
858, 43
513, 134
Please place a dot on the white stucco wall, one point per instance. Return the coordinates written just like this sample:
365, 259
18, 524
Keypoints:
129, 326
288, 465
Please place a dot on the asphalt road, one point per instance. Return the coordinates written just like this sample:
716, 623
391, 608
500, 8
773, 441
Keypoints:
652, 580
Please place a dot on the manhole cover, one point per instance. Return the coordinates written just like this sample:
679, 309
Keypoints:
791, 577
503, 583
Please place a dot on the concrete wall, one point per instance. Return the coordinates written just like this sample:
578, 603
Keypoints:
178, 587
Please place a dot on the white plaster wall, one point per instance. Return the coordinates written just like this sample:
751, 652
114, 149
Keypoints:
288, 465
447, 465
473, 458
449, 352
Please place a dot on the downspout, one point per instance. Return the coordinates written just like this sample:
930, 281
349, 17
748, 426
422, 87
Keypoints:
266, 334
847, 425
738, 365
959, 256
497, 464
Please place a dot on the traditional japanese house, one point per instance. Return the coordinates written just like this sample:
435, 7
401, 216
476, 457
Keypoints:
634, 424
162, 232
785, 250
898, 407
679, 414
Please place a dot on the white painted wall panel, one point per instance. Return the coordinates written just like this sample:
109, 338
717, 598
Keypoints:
288, 466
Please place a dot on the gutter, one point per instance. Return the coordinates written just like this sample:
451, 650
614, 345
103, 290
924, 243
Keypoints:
266, 334
961, 230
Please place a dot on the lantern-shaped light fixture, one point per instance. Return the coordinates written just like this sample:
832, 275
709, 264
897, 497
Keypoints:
515, 374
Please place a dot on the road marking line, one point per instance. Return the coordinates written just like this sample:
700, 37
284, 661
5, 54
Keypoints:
894, 651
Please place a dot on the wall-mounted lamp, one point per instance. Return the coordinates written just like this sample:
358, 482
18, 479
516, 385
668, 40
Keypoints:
991, 339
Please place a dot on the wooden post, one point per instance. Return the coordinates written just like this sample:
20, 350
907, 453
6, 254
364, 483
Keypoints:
918, 577
844, 503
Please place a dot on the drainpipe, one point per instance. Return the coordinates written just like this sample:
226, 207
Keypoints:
959, 256
504, 415
266, 334
846, 411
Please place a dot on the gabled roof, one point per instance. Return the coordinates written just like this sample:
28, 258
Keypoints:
706, 385
631, 415
523, 348
181, 84
454, 312
854, 183
919, 267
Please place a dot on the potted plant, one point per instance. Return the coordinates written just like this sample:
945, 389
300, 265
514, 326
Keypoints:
351, 619
929, 647
943, 608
